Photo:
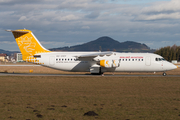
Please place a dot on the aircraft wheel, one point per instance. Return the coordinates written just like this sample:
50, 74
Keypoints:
164, 74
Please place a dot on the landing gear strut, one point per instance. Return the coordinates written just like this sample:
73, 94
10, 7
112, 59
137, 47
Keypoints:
98, 72
164, 74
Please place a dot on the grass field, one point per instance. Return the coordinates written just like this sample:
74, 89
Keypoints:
68, 98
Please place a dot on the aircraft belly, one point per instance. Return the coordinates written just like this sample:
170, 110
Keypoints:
73, 67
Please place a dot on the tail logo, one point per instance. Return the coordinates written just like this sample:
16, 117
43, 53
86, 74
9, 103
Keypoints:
27, 44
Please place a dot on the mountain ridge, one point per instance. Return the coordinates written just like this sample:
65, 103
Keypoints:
106, 43
8, 52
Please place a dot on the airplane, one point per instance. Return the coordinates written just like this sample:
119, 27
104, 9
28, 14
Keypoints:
93, 62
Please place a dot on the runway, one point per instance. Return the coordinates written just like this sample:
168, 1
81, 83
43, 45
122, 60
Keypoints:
30, 65
19, 65
83, 75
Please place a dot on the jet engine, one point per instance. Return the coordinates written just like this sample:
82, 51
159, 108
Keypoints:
109, 63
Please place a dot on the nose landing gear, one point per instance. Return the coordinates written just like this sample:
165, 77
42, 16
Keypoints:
164, 74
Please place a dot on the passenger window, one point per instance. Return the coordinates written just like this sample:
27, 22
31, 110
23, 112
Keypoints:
123, 59
59, 59
126, 59
156, 59
132, 59
142, 59
129, 59
56, 59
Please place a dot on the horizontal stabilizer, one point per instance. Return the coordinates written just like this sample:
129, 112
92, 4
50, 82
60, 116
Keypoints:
17, 31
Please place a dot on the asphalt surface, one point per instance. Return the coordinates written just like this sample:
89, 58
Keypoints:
20, 65
83, 75
33, 65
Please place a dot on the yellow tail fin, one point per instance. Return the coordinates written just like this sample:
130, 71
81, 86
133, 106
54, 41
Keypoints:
28, 44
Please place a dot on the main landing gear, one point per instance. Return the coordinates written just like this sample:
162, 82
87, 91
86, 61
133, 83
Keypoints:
164, 74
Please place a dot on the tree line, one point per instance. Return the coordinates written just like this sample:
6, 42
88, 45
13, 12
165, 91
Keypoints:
169, 53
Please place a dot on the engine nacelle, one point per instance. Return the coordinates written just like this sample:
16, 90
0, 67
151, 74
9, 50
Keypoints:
109, 63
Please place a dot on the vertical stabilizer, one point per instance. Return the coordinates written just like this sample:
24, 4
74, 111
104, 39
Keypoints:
28, 44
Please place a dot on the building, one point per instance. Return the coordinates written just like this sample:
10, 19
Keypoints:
174, 61
3, 57
19, 57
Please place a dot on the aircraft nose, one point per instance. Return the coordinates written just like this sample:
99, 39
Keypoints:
173, 66
170, 66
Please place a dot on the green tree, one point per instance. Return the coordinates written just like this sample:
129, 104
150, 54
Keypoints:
169, 53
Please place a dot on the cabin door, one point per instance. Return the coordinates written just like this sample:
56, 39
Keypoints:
52, 60
148, 61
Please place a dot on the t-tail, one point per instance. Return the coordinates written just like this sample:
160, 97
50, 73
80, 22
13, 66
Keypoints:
28, 44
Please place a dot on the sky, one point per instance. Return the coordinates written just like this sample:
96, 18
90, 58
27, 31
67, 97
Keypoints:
59, 23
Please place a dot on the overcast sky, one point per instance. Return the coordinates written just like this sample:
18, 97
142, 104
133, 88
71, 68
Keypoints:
58, 23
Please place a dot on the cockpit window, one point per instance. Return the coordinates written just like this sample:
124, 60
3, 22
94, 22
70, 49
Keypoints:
159, 59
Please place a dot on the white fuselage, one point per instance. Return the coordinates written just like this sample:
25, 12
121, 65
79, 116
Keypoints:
128, 62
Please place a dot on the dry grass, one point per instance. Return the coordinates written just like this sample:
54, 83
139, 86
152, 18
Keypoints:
36, 69
122, 98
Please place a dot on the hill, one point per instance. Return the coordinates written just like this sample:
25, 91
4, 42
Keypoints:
107, 44
8, 52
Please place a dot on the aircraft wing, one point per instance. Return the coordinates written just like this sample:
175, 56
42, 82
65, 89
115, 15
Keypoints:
91, 56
